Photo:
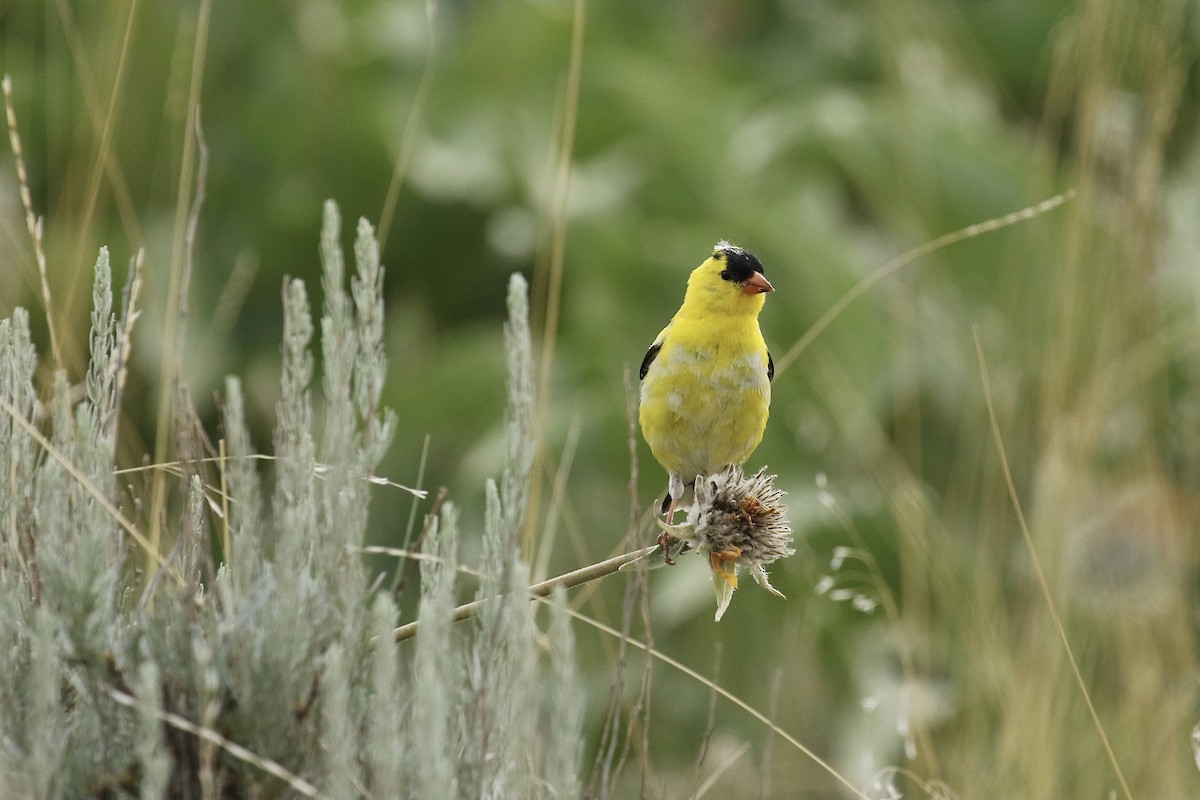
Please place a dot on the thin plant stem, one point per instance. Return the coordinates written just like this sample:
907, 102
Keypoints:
91, 488
568, 580
226, 538
409, 138
904, 259
172, 335
398, 576
1038, 570
715, 775
101, 122
174, 468
32, 222
234, 749
104, 150
737, 701
560, 198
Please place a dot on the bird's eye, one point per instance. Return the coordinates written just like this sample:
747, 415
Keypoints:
726, 275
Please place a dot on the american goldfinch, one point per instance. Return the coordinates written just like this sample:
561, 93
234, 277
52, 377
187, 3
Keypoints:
706, 380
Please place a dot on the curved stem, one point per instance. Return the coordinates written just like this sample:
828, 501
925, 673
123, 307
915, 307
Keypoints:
567, 580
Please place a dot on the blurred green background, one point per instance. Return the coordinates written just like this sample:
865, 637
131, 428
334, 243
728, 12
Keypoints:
828, 138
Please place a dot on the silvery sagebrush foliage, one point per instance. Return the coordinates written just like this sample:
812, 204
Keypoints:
498, 692
274, 674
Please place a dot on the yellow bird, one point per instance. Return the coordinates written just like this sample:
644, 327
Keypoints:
706, 380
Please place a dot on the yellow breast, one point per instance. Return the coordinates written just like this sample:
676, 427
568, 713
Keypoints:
705, 398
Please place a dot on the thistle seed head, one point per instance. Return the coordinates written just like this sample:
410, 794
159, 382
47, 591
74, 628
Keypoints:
737, 521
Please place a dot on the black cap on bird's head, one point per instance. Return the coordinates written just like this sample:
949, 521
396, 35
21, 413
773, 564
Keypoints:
742, 268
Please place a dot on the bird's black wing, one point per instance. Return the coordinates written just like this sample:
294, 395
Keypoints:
770, 367
650, 356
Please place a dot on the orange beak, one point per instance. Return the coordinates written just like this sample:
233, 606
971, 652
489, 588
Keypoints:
757, 284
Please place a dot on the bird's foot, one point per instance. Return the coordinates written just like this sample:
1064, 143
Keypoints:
673, 541
665, 538
664, 541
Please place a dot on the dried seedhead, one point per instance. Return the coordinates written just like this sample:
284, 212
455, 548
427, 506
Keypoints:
736, 521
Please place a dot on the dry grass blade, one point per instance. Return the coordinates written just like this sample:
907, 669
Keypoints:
226, 535
543, 589
173, 333
605, 764
904, 259
710, 723
410, 129
550, 526
233, 748
768, 756
737, 701
233, 295
82, 480
104, 153
716, 774
560, 198
101, 121
175, 468
1039, 571
31, 220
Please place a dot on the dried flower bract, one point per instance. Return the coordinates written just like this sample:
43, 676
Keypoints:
736, 521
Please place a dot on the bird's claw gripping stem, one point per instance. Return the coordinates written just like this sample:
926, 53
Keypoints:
664, 541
